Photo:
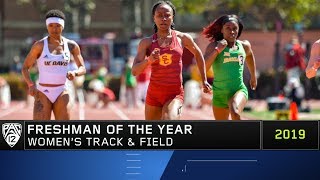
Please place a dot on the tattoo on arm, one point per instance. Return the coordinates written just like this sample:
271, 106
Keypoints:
71, 46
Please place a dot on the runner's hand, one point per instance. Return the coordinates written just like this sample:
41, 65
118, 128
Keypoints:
154, 56
71, 75
316, 64
207, 87
32, 90
222, 44
253, 83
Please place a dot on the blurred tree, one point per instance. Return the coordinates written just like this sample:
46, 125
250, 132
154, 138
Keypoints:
78, 10
41, 5
131, 15
193, 6
264, 13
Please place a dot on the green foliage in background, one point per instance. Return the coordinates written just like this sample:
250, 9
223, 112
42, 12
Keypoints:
78, 12
193, 6
265, 12
18, 87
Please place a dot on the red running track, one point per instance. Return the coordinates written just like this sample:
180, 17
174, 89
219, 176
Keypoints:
116, 111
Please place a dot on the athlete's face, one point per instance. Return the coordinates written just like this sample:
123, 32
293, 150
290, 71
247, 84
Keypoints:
230, 31
54, 29
163, 17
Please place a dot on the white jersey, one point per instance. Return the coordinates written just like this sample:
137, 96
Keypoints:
53, 68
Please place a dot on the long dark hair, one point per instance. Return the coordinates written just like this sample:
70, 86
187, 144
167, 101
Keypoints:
213, 30
154, 8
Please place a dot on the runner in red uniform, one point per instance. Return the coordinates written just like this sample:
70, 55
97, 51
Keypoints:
164, 50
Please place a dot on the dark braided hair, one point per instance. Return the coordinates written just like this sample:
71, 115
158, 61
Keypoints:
156, 5
213, 30
55, 13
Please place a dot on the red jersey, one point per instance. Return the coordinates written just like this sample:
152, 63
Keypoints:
167, 72
295, 57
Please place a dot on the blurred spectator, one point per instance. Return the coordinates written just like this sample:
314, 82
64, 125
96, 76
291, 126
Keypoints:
295, 65
33, 72
130, 82
102, 95
5, 94
75, 86
194, 97
294, 59
192, 94
143, 81
17, 65
295, 91
136, 35
195, 74
102, 74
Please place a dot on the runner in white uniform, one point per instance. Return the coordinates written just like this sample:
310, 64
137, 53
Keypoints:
52, 54
52, 70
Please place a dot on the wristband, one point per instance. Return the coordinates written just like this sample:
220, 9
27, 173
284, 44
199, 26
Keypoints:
76, 74
216, 48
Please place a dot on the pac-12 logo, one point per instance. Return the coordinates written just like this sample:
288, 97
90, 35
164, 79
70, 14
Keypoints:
11, 133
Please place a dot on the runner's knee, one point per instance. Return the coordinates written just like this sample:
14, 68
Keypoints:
172, 110
171, 114
234, 108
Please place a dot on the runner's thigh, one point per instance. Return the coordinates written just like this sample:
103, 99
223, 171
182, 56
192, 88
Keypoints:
42, 107
61, 107
153, 112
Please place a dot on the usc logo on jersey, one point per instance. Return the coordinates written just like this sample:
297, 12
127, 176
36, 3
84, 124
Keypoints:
165, 59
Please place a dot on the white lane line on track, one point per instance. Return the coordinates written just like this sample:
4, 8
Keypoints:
11, 110
81, 104
121, 114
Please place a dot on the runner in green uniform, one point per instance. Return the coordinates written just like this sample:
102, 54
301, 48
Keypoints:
227, 55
